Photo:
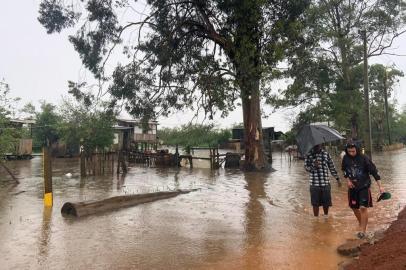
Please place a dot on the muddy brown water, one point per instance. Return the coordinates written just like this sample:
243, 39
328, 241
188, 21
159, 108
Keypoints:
235, 221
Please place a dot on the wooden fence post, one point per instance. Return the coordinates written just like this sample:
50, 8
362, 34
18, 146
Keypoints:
82, 162
112, 162
118, 162
211, 159
177, 163
47, 167
218, 158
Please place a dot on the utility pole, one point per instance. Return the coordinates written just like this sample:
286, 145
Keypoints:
368, 136
385, 92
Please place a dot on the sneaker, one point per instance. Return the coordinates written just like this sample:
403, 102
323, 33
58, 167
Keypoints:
369, 235
360, 235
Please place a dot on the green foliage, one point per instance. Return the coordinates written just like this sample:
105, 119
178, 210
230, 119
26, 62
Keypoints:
399, 127
199, 55
56, 17
290, 137
29, 110
378, 74
82, 125
194, 135
47, 120
8, 104
326, 66
74, 124
238, 125
9, 135
380, 77
341, 106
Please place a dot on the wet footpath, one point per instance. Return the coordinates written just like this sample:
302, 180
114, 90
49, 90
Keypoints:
235, 220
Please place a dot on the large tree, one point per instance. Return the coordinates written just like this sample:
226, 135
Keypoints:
334, 108
382, 81
324, 67
195, 54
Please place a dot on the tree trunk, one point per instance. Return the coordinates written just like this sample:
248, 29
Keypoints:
354, 125
80, 209
246, 59
255, 158
348, 88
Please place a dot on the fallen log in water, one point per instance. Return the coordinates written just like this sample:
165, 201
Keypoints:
80, 209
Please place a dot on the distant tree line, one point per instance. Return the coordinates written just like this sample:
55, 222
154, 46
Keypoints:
194, 135
330, 109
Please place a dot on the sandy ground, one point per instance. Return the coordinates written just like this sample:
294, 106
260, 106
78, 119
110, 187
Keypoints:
388, 253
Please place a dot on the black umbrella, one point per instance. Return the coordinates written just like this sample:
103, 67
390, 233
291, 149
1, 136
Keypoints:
312, 135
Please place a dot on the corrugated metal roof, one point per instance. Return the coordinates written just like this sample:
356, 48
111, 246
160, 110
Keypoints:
136, 121
121, 127
23, 121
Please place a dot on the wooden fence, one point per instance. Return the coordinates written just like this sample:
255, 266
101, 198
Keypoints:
101, 163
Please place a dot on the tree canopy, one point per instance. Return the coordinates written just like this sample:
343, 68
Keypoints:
198, 55
8, 135
46, 125
325, 67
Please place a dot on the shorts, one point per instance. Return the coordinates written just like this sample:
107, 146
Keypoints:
320, 196
359, 198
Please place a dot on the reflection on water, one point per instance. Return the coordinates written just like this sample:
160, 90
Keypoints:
235, 221
45, 237
254, 221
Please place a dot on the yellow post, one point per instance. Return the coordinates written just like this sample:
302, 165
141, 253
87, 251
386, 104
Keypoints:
48, 198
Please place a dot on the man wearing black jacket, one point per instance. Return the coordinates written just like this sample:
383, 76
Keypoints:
357, 168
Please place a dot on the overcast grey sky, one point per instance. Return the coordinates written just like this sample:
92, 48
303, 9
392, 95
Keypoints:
37, 65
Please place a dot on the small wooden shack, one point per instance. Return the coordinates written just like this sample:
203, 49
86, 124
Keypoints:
24, 147
131, 134
268, 135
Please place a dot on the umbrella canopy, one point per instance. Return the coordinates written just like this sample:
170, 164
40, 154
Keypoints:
312, 135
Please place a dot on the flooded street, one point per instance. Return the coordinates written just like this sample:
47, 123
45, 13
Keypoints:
234, 221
